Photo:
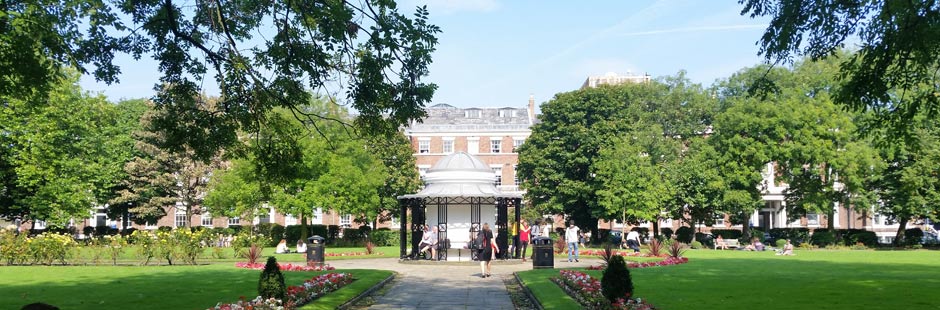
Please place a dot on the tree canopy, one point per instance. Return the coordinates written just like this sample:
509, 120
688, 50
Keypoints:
897, 51
260, 54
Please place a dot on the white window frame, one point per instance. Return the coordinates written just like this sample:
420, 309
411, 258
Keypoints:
150, 224
498, 171
515, 175
516, 143
39, 224
179, 220
234, 221
289, 220
317, 218
345, 220
812, 222
206, 216
424, 146
447, 146
496, 145
473, 145
720, 219
473, 113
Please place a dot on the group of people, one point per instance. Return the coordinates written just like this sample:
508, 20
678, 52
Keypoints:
283, 249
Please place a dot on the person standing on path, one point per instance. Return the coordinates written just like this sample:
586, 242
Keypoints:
524, 231
572, 236
489, 250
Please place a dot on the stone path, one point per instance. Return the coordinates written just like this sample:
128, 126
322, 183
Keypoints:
445, 286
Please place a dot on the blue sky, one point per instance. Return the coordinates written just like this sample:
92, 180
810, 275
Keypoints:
495, 53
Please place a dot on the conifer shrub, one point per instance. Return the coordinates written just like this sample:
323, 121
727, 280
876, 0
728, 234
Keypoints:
684, 234
616, 281
271, 283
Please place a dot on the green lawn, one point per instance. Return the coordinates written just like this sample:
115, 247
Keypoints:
152, 287
760, 280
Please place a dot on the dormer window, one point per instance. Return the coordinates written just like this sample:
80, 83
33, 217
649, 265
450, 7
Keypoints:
473, 113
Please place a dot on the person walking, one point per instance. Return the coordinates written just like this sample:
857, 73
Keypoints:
633, 241
524, 233
572, 236
489, 250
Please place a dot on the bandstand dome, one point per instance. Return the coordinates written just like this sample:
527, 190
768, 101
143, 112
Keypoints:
460, 175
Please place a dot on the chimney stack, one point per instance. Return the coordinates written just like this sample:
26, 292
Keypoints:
531, 109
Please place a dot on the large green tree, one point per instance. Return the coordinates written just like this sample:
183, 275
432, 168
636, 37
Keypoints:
260, 54
61, 155
898, 49
557, 164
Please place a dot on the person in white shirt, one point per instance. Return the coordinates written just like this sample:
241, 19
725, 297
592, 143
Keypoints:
633, 241
572, 236
431, 238
281, 247
301, 246
546, 229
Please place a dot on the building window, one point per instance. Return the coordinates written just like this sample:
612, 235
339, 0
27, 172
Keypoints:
473, 113
495, 145
516, 143
289, 220
234, 221
424, 146
180, 220
150, 224
473, 145
447, 146
812, 219
515, 175
207, 220
39, 224
317, 216
345, 220
720, 220
881, 219
499, 175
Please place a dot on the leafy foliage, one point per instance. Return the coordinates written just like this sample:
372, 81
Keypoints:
676, 249
616, 281
271, 283
897, 50
655, 248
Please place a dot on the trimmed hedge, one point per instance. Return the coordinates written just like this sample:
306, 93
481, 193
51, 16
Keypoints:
684, 234
823, 238
727, 234
666, 232
913, 236
797, 236
852, 237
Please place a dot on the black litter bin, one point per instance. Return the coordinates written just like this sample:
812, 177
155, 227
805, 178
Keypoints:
543, 256
315, 251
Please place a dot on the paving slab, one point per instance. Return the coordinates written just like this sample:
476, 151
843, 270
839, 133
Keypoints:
446, 286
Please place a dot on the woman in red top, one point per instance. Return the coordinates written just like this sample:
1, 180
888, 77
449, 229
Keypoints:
524, 233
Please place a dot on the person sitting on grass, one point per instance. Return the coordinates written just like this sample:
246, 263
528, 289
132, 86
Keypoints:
301, 246
755, 245
787, 249
282, 247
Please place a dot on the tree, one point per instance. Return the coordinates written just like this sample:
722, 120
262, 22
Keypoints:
260, 54
159, 178
698, 183
401, 178
897, 51
61, 155
634, 185
558, 162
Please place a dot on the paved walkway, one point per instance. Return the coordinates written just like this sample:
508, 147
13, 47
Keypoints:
433, 285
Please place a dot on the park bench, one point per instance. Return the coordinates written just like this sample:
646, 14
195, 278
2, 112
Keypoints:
730, 243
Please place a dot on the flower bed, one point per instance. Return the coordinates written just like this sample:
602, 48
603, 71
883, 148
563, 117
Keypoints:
285, 267
619, 253
668, 261
296, 295
587, 291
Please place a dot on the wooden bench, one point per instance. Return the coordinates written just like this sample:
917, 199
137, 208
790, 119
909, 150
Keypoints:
730, 243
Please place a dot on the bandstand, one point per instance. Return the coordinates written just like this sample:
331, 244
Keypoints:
459, 196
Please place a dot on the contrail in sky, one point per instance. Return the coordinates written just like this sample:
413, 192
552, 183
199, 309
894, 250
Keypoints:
691, 29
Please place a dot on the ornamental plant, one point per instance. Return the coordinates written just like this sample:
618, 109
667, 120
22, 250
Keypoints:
615, 281
146, 245
116, 245
676, 249
47, 248
655, 248
13, 247
271, 283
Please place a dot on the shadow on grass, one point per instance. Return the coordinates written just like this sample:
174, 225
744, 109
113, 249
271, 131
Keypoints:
140, 288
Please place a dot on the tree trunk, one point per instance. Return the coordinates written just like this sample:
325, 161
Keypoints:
899, 236
303, 227
656, 228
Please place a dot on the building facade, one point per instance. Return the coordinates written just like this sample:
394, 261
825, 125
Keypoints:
614, 79
491, 134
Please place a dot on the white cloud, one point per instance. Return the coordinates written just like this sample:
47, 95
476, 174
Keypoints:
447, 7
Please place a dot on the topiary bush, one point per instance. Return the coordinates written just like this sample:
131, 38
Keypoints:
271, 283
684, 234
696, 245
781, 243
616, 281
385, 237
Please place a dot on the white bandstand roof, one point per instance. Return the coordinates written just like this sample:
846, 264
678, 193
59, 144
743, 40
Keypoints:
460, 175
